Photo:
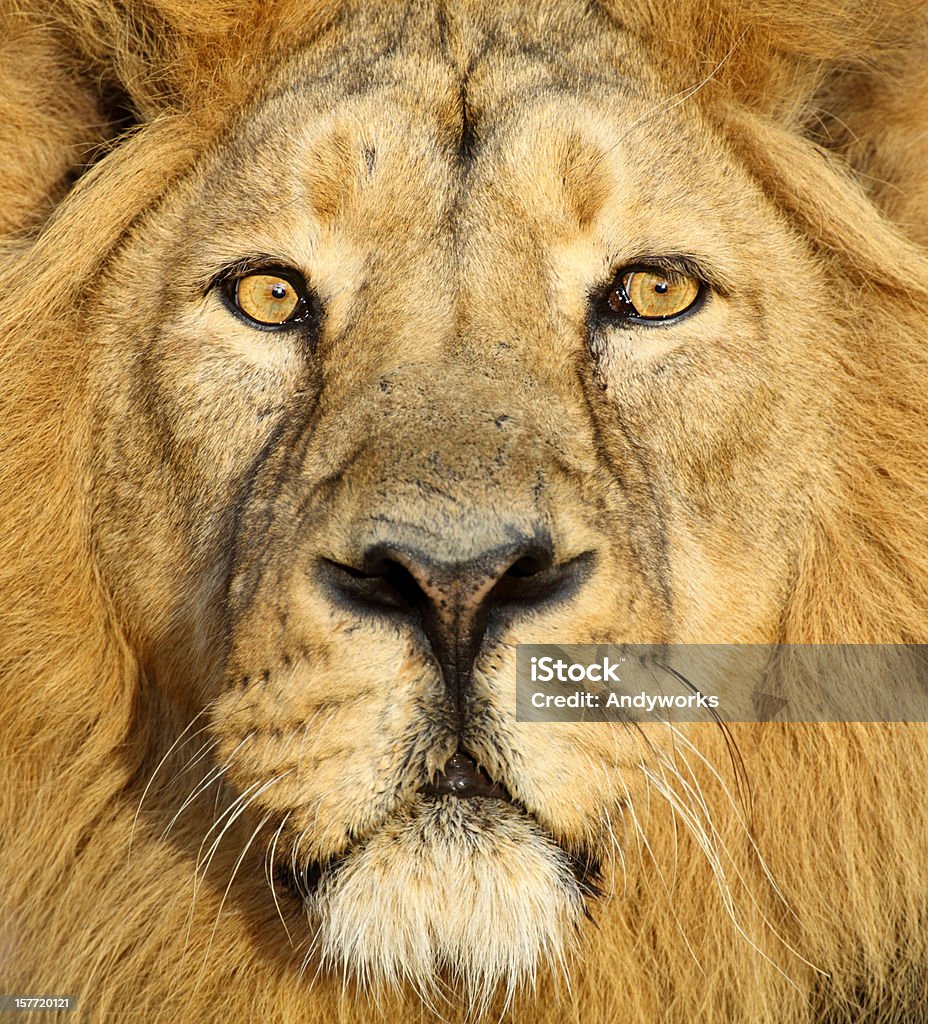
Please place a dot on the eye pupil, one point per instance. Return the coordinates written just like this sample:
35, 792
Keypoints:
661, 287
279, 291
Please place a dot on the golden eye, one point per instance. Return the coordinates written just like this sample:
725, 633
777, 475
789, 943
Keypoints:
653, 295
268, 299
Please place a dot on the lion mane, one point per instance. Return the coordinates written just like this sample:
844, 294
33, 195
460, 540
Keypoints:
785, 884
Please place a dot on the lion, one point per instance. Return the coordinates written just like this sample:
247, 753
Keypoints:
350, 345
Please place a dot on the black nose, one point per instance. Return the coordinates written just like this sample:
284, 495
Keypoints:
453, 602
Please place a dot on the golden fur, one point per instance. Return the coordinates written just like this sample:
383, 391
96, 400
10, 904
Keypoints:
182, 704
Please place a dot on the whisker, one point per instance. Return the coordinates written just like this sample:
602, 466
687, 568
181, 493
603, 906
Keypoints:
196, 757
222, 902
263, 789
151, 779
214, 773
753, 846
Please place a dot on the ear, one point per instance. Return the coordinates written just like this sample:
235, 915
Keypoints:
171, 55
75, 75
849, 75
876, 121
51, 122
772, 55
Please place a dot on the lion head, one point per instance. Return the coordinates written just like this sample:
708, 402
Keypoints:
349, 347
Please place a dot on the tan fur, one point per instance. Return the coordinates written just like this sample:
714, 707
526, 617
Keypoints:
184, 707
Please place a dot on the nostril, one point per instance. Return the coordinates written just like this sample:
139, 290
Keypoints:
401, 582
535, 577
529, 565
382, 584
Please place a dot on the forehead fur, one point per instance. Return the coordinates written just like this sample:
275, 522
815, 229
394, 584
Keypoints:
769, 53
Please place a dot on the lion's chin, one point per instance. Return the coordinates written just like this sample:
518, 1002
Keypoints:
471, 893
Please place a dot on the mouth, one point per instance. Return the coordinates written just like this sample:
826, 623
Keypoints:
464, 779
462, 797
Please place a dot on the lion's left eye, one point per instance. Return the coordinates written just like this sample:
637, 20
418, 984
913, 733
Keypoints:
269, 298
652, 295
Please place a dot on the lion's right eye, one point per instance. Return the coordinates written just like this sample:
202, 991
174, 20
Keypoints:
270, 298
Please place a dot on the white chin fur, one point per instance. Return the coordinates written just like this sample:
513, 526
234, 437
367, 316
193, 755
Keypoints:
467, 891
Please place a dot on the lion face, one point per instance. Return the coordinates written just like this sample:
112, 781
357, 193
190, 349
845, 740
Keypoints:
408, 387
